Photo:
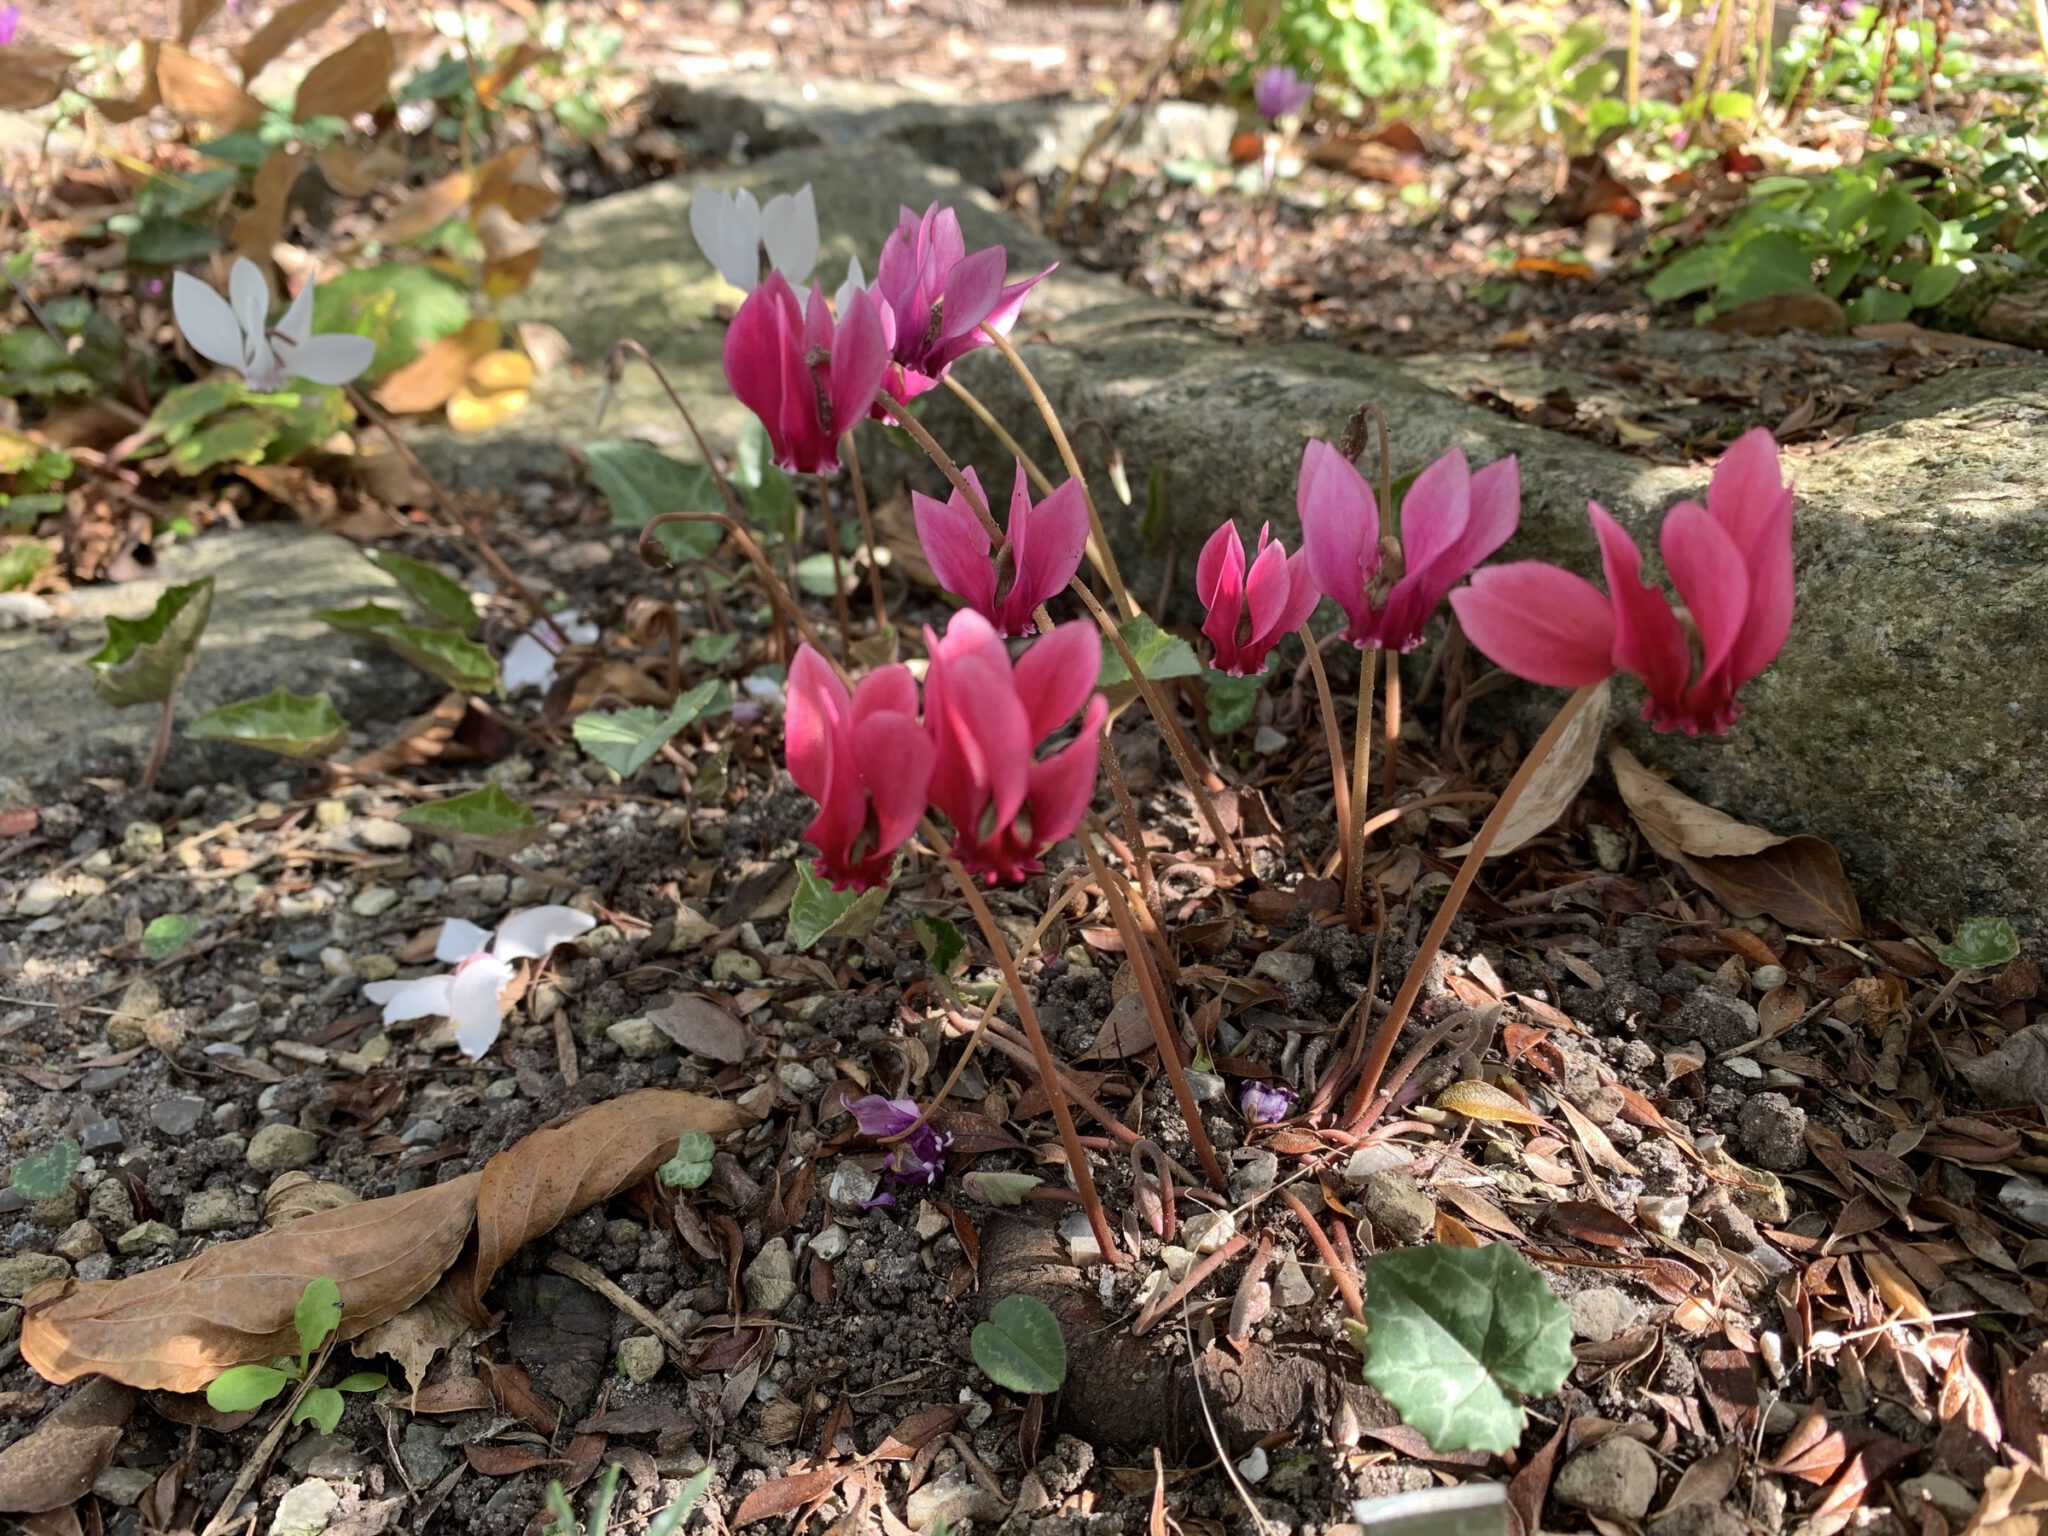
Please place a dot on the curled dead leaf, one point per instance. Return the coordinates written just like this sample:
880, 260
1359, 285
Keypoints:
1799, 879
430, 380
1557, 780
424, 1330
1476, 1100
294, 1196
354, 78
520, 183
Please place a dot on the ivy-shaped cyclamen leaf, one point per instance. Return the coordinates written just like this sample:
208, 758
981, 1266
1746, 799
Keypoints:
1021, 1347
1455, 1338
486, 815
440, 596
146, 660
817, 910
45, 1175
627, 740
691, 1165
322, 1408
441, 653
240, 1388
1159, 655
642, 483
168, 934
280, 721
1982, 944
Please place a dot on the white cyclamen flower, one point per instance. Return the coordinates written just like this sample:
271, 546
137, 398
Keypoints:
530, 663
855, 281
232, 333
483, 969
732, 230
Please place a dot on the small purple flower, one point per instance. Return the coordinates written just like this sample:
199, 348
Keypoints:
10, 23
1280, 92
1267, 1103
920, 1159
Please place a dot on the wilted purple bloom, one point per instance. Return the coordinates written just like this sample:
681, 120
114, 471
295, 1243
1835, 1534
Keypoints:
918, 1160
10, 23
1267, 1103
1280, 92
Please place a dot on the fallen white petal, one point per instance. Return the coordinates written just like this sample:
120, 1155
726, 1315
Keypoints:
473, 1003
459, 940
426, 997
530, 934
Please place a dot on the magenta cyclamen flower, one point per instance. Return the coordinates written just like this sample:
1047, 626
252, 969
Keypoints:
935, 297
10, 23
809, 377
987, 719
1248, 616
1731, 562
864, 759
1044, 548
1451, 519
1279, 92
917, 1160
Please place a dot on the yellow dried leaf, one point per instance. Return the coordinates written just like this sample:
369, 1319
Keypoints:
519, 182
503, 279
199, 92
501, 370
474, 411
1476, 1100
1901, 1296
431, 379
354, 78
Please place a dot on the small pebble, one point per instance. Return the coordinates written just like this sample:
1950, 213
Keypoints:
21, 1272
145, 1238
276, 1148
209, 1210
638, 1039
641, 1358
177, 1117
422, 1133
101, 1136
384, 835
374, 901
331, 813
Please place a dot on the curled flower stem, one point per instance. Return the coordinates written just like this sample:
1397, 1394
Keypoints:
1146, 1150
1340, 1272
1155, 1011
870, 544
1041, 1052
1333, 739
1124, 601
1389, 1031
471, 528
779, 596
1169, 726
1361, 760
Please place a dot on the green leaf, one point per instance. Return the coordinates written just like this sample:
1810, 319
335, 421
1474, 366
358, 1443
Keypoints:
1159, 655
753, 457
238, 437
670, 1520
815, 575
1232, 701
45, 1175
321, 1408
454, 659
1765, 264
1456, 1337
1690, 272
711, 648
772, 504
440, 595
941, 941
1021, 1347
1982, 944
18, 566
817, 911
146, 660
691, 1165
627, 740
280, 721
167, 242
1934, 286
643, 483
240, 1388
363, 1381
994, 1187
181, 411
404, 309
168, 934
487, 814
317, 1315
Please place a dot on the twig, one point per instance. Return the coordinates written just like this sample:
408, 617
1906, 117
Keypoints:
596, 1280
259, 1459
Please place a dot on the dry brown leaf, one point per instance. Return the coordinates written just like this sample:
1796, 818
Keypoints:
285, 26
1557, 780
559, 1170
1126, 1031
261, 226
1798, 879
199, 92
294, 1196
424, 1330
355, 170
548, 347
421, 212
55, 1463
354, 78
519, 182
502, 369
1476, 1100
701, 1027
508, 278
192, 15
176, 1328
494, 80
429, 380
32, 75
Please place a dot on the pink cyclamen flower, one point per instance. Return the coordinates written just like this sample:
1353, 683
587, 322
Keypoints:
987, 718
808, 376
1248, 616
1731, 562
1044, 548
1267, 1103
935, 297
1279, 92
919, 1159
1451, 519
863, 758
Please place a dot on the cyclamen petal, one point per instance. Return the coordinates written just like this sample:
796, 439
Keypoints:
1539, 622
809, 376
939, 296
789, 233
863, 758
231, 332
459, 939
473, 1005
1340, 530
877, 1116
535, 932
1251, 612
332, 359
206, 321
1044, 548
423, 998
